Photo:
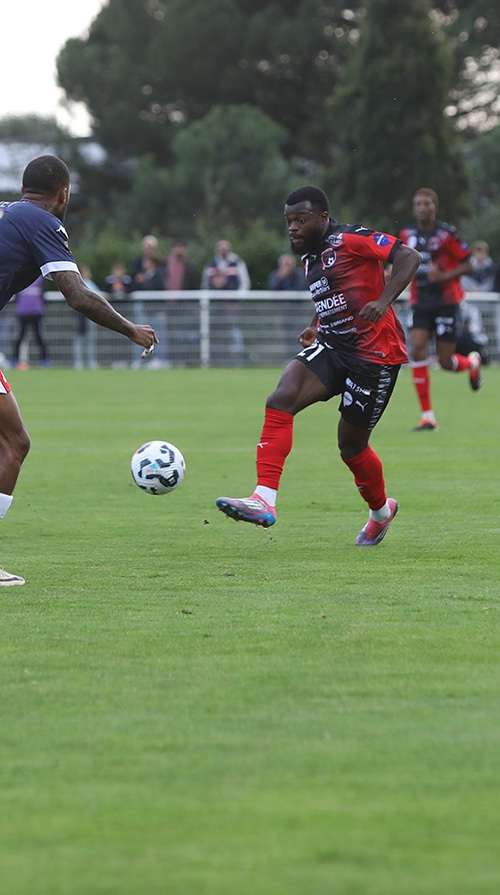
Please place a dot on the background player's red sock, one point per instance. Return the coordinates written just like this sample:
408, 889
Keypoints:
369, 477
274, 446
460, 363
421, 381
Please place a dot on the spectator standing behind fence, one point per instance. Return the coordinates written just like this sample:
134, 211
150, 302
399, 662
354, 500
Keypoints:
435, 297
482, 276
180, 272
85, 341
30, 311
181, 275
139, 265
140, 269
152, 279
227, 271
118, 282
287, 277
117, 286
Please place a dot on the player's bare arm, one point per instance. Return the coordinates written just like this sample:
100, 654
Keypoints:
98, 309
436, 275
308, 335
405, 264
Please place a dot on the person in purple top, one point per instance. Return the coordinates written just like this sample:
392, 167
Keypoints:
33, 241
30, 311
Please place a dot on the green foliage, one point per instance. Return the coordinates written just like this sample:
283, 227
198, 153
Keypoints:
484, 161
473, 35
34, 129
484, 223
259, 246
193, 706
390, 117
148, 203
110, 72
358, 94
164, 71
101, 247
483, 157
229, 179
229, 169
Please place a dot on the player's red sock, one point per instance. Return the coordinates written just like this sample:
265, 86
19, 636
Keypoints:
274, 446
460, 363
421, 381
369, 477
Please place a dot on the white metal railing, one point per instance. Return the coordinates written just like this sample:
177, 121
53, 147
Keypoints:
198, 328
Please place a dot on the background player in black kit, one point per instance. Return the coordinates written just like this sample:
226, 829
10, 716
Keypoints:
435, 297
33, 241
354, 347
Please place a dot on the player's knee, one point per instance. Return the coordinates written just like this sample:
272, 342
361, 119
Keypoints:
15, 446
24, 445
281, 400
351, 441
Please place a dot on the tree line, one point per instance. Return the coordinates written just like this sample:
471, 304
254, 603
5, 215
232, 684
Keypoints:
211, 112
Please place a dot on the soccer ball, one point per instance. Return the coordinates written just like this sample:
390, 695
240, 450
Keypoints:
158, 467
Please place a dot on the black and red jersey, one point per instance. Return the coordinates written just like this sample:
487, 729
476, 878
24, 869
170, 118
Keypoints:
442, 247
346, 273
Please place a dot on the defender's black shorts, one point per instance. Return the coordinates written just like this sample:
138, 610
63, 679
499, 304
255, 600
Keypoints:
441, 320
365, 387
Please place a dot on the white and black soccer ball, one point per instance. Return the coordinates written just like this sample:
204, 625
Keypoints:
158, 467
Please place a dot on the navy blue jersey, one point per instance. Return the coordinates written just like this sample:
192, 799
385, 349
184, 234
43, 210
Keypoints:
32, 241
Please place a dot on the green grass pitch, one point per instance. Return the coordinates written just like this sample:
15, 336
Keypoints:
191, 706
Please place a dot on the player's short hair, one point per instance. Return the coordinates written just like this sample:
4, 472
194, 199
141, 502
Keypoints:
46, 174
312, 194
425, 191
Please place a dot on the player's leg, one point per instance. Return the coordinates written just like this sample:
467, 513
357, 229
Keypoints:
363, 403
20, 338
298, 388
14, 446
446, 349
419, 347
14, 439
42, 345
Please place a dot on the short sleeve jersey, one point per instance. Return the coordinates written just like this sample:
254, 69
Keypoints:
443, 247
346, 273
32, 242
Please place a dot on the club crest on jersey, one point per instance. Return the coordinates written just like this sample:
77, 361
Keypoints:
328, 258
381, 239
433, 244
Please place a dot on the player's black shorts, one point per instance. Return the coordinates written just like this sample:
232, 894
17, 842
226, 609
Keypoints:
439, 319
365, 387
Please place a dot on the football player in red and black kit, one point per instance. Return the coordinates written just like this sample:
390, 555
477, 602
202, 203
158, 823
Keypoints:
435, 297
354, 347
